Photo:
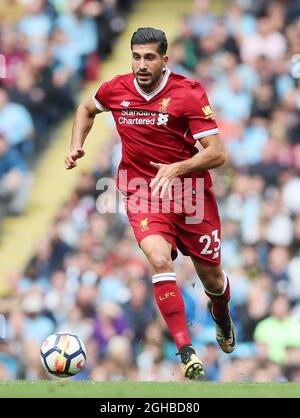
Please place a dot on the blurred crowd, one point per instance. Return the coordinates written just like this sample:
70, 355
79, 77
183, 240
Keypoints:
48, 50
88, 275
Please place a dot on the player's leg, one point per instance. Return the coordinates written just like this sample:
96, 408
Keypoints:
217, 288
169, 300
166, 292
155, 234
202, 242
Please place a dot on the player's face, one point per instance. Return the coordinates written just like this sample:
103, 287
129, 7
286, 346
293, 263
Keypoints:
147, 66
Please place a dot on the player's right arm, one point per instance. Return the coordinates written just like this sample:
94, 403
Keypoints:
84, 120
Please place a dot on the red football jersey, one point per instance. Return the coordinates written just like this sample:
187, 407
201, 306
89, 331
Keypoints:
161, 126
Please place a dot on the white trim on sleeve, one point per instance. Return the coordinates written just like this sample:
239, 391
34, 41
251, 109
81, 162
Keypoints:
206, 133
99, 106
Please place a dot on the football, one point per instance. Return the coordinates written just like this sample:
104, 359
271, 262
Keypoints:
63, 354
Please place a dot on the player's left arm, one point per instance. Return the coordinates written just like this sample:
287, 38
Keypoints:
203, 128
213, 155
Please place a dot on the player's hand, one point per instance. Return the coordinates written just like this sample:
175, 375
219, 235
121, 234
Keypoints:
70, 161
163, 179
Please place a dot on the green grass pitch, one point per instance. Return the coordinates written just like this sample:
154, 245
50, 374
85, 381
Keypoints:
87, 389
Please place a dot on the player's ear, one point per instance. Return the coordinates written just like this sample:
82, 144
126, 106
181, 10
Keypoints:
165, 60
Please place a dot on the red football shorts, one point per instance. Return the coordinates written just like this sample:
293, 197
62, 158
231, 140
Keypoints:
201, 240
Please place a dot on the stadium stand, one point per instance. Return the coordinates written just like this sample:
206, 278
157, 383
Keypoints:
42, 85
87, 274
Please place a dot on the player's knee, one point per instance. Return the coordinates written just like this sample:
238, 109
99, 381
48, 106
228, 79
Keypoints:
161, 263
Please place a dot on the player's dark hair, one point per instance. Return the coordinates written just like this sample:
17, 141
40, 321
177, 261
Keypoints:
150, 36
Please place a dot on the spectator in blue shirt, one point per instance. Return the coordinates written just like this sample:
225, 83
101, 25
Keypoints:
15, 180
15, 123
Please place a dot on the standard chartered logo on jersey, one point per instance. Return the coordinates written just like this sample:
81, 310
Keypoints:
162, 119
142, 117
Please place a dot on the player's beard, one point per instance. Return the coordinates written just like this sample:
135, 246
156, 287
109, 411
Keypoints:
151, 81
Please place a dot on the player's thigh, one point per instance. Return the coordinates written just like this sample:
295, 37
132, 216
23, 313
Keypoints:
159, 252
201, 240
156, 244
206, 269
155, 235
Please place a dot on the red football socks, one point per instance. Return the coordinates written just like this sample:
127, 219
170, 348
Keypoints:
220, 302
170, 302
